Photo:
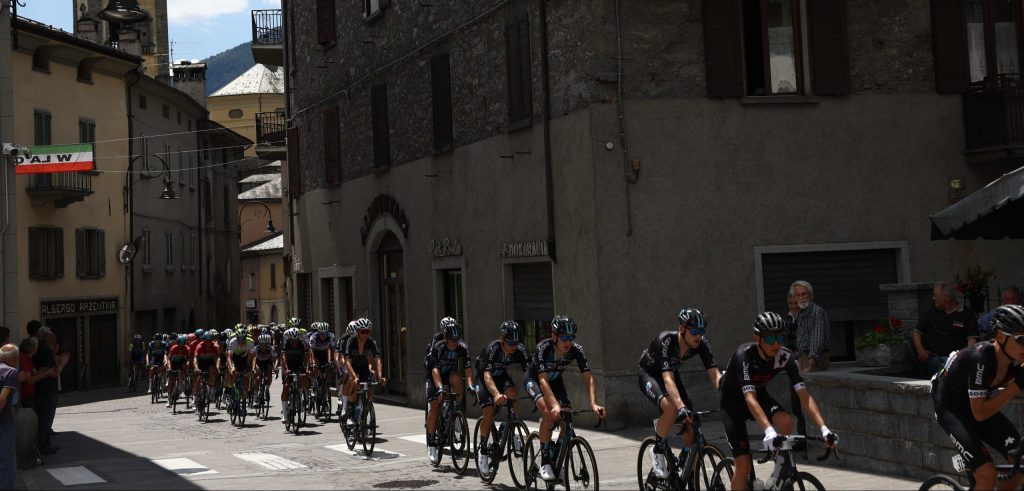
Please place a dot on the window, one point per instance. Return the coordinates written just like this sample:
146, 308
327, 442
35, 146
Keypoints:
294, 178
181, 167
452, 282
184, 250
304, 304
90, 258
86, 131
142, 102
166, 111
252, 281
332, 146
169, 250
179, 118
43, 127
235, 113
327, 307
371, 7
45, 253
325, 31
192, 255
41, 59
993, 50
381, 137
520, 93
771, 33
227, 214
147, 250
207, 201
85, 72
441, 89
273, 276
189, 124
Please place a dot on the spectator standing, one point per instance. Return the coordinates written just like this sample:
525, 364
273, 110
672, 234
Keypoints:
46, 389
32, 328
1009, 295
944, 328
8, 388
812, 329
28, 376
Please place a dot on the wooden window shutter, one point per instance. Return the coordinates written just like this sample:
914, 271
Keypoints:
332, 150
949, 43
79, 252
325, 21
830, 65
34, 253
517, 47
524, 68
722, 51
101, 253
381, 138
513, 68
440, 77
294, 163
57, 236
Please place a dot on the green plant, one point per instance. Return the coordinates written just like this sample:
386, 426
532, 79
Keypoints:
888, 331
974, 280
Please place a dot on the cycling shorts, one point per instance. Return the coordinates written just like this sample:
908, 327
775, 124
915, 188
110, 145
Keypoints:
970, 435
502, 382
265, 365
430, 390
654, 388
736, 416
206, 364
241, 363
557, 389
320, 357
177, 364
156, 361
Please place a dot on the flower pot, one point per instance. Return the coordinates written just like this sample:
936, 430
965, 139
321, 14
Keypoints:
883, 355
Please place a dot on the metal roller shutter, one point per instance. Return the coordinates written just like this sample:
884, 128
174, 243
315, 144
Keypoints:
533, 299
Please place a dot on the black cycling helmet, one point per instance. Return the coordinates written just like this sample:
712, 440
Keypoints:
769, 323
446, 324
158, 336
453, 331
510, 331
1008, 318
692, 318
562, 325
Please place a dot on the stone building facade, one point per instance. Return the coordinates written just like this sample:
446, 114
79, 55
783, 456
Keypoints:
616, 161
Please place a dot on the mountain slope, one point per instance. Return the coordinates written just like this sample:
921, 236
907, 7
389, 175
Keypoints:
225, 66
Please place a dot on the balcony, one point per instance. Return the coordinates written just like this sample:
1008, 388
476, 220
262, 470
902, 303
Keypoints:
267, 37
60, 188
994, 122
270, 136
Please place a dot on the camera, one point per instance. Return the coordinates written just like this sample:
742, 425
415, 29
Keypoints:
16, 150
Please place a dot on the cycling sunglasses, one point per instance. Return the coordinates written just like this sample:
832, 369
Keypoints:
364, 331
567, 338
774, 338
697, 332
454, 339
1019, 338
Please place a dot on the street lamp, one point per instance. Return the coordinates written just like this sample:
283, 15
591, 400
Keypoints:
147, 173
256, 214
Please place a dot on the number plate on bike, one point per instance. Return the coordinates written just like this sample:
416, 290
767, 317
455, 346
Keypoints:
958, 463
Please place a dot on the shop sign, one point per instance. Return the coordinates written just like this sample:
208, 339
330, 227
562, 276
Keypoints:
511, 250
384, 205
74, 307
250, 303
445, 248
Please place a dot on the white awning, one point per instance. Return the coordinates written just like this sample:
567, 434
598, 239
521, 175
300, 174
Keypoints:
993, 212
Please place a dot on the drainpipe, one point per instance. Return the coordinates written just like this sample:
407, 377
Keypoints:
133, 79
287, 206
630, 173
7, 132
546, 88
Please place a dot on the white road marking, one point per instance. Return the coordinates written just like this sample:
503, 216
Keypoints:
417, 438
73, 476
269, 461
184, 467
378, 453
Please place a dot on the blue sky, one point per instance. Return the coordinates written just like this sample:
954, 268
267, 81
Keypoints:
198, 28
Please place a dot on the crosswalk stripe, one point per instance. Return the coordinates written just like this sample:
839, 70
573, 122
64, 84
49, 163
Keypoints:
269, 461
184, 467
417, 438
378, 453
73, 476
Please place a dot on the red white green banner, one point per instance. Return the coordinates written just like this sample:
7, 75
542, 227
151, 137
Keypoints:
57, 158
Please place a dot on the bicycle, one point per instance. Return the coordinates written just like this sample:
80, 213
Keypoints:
262, 397
362, 428
321, 395
218, 391
237, 401
295, 418
134, 374
1005, 472
203, 398
453, 431
693, 468
568, 447
505, 442
172, 397
157, 389
785, 476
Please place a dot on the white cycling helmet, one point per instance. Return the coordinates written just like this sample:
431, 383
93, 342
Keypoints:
292, 333
264, 339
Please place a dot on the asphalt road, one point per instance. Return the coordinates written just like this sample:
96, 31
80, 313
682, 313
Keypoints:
110, 440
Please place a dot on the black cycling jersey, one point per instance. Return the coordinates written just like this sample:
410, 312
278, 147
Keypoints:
747, 372
546, 360
663, 354
969, 374
294, 354
360, 360
438, 336
447, 360
494, 359
342, 342
156, 350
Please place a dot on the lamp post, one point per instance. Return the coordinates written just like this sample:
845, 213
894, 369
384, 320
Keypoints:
256, 214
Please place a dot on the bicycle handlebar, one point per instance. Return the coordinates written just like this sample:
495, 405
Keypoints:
779, 440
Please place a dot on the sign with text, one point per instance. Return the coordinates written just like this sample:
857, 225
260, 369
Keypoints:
75, 307
510, 250
445, 248
57, 158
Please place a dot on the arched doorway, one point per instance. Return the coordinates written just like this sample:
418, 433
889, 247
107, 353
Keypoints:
391, 284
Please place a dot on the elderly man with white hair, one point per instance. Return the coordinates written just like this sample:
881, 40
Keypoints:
812, 329
8, 387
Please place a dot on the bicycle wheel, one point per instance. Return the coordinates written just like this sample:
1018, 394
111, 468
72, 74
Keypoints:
174, 399
368, 426
940, 481
486, 475
295, 412
581, 466
206, 413
802, 481
517, 454
710, 457
243, 409
532, 462
459, 442
232, 409
300, 417
723, 476
645, 467
154, 391
131, 379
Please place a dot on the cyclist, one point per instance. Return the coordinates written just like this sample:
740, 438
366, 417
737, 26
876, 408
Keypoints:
294, 358
321, 347
206, 359
264, 360
362, 360
744, 396
497, 388
660, 380
177, 358
444, 360
968, 400
546, 387
137, 354
339, 353
191, 341
437, 337
240, 359
155, 358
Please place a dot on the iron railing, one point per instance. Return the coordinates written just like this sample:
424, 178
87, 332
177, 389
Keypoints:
62, 181
994, 114
266, 27
270, 129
